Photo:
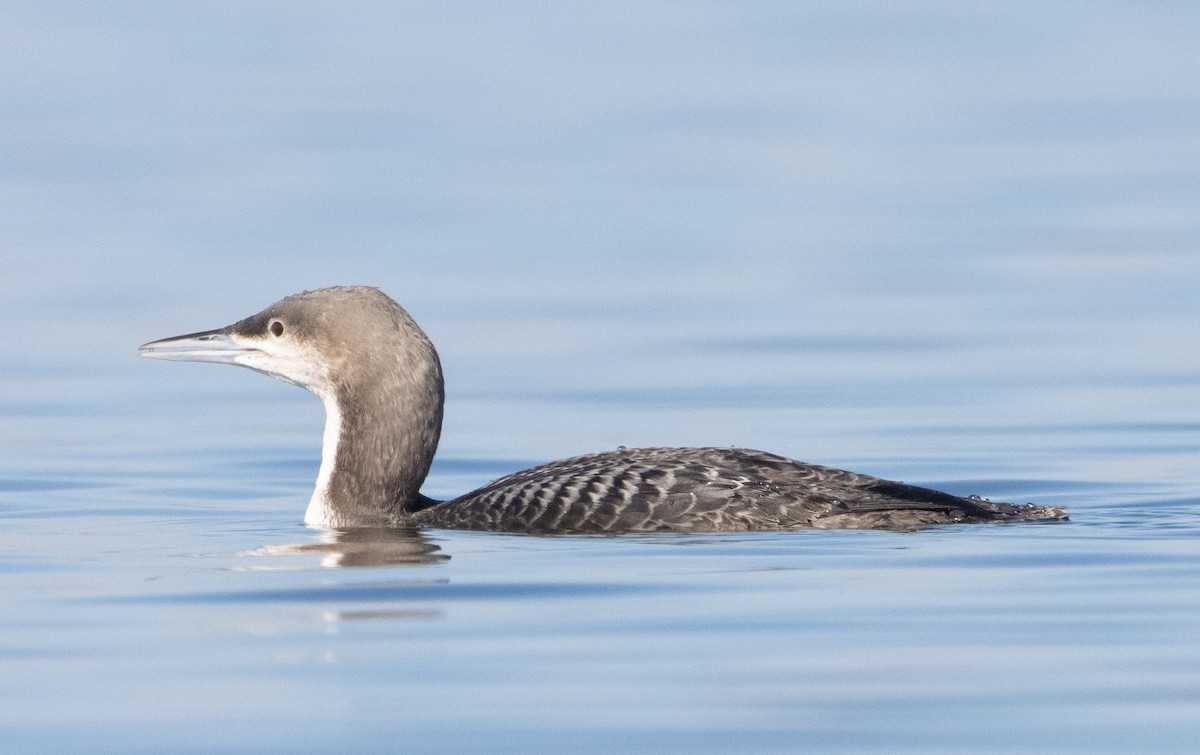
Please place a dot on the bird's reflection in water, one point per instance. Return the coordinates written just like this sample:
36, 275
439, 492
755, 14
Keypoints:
366, 546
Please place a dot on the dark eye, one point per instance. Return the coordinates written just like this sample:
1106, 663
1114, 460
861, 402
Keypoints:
277, 328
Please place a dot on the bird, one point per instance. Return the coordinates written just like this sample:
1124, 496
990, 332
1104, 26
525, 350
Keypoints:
381, 383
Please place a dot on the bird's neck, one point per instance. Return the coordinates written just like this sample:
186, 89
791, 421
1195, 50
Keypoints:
378, 446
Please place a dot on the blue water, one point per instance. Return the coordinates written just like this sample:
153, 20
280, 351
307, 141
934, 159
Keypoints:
956, 246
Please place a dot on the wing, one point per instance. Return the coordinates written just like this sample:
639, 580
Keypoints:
702, 490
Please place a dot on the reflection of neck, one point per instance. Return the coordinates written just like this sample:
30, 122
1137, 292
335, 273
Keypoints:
377, 448
365, 546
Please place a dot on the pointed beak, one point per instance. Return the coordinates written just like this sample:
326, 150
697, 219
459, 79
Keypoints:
210, 346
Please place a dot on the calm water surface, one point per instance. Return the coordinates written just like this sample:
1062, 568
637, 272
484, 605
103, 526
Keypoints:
957, 247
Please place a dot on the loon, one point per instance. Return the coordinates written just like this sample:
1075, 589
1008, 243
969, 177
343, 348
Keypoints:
380, 380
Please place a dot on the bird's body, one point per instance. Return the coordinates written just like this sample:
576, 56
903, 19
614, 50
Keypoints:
702, 490
381, 382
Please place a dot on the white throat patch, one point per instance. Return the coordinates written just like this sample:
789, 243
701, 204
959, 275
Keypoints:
319, 512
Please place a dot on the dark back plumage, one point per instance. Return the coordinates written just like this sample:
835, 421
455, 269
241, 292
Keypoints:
705, 490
